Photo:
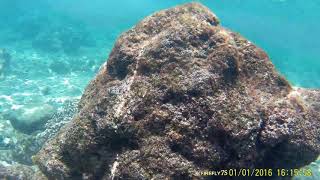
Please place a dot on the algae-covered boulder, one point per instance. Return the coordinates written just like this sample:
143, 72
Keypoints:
180, 94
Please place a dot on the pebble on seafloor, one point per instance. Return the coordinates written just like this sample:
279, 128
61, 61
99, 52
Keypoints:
45, 90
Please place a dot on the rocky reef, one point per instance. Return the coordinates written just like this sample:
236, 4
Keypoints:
181, 94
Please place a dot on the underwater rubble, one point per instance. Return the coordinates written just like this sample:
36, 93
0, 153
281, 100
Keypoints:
178, 95
17, 148
39, 91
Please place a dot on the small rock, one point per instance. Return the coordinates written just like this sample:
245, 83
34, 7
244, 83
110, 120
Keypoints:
45, 90
59, 67
31, 119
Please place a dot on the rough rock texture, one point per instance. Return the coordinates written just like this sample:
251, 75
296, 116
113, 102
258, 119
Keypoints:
57, 121
20, 172
311, 97
180, 94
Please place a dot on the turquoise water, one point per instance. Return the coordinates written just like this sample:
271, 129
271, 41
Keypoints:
57, 46
286, 29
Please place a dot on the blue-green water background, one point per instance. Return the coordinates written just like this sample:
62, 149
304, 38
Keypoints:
86, 30
287, 29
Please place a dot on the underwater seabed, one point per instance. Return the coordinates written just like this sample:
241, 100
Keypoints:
35, 103
44, 68
39, 91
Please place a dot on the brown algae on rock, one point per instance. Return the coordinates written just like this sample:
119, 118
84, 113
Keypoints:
180, 94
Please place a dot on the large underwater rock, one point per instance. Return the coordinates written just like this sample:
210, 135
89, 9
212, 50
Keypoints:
180, 94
